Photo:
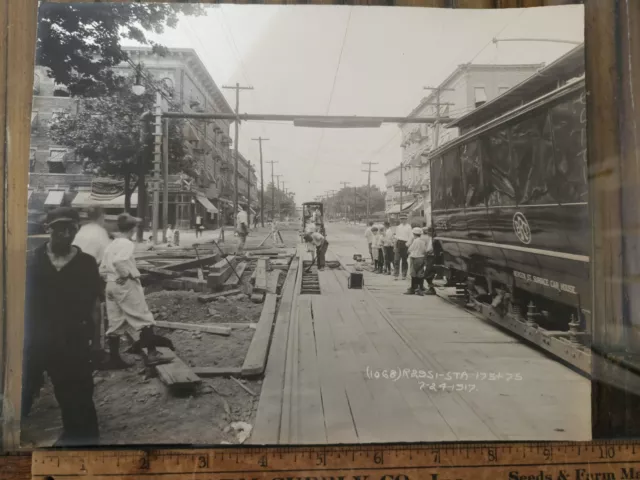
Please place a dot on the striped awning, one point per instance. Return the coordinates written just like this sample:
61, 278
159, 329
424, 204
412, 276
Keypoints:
106, 189
396, 208
85, 199
204, 201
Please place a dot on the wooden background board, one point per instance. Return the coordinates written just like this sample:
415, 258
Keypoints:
612, 31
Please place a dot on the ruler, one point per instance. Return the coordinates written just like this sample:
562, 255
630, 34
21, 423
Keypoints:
456, 461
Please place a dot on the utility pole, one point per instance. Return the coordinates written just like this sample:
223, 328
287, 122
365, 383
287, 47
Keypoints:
260, 140
437, 91
249, 192
273, 191
369, 172
330, 194
165, 178
237, 88
284, 191
157, 161
278, 196
344, 185
355, 202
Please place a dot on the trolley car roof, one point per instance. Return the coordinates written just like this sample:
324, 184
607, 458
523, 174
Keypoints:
571, 87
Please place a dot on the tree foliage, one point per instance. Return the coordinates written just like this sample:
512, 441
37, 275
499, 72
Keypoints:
106, 132
80, 43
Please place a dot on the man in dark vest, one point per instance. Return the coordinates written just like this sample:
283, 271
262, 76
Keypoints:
63, 285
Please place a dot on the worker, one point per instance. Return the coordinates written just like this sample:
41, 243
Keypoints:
199, 226
368, 234
430, 268
169, 234
418, 254
93, 238
127, 308
404, 236
387, 244
63, 285
376, 246
242, 228
321, 245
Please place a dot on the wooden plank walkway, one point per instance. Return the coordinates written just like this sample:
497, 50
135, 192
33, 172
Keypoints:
337, 340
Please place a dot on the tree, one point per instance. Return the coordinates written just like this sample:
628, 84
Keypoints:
81, 43
106, 133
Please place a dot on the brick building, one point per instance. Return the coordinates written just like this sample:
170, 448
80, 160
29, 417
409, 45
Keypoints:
209, 195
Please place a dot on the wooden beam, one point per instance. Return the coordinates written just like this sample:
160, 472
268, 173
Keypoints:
17, 44
210, 372
261, 275
211, 297
272, 281
193, 263
234, 279
208, 328
612, 45
256, 359
176, 375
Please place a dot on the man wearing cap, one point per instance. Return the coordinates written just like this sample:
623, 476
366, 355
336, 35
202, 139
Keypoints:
63, 285
127, 308
418, 251
368, 234
242, 228
404, 236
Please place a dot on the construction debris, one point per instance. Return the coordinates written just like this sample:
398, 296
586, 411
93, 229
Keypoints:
215, 329
221, 272
175, 375
244, 387
261, 275
211, 372
256, 359
212, 297
273, 280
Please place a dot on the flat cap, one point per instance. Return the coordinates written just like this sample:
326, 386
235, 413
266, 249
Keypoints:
62, 214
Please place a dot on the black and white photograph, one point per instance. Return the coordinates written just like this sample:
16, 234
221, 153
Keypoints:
306, 224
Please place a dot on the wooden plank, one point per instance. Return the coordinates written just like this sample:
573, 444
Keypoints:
256, 359
211, 372
214, 296
269, 415
236, 276
224, 264
193, 263
215, 329
176, 375
613, 83
261, 275
339, 423
18, 33
160, 272
272, 281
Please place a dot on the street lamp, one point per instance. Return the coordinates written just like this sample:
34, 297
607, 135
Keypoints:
138, 87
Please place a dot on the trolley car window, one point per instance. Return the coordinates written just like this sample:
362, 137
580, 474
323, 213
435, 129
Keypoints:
568, 120
532, 156
452, 177
498, 171
437, 184
471, 172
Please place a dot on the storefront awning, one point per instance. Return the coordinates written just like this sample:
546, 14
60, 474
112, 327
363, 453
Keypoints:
85, 200
396, 208
54, 198
417, 206
204, 201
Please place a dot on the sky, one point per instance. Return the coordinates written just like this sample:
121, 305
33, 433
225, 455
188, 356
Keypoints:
352, 60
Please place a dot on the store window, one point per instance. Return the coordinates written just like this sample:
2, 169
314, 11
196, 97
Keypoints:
480, 96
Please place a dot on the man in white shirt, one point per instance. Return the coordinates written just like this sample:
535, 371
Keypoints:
199, 227
430, 271
321, 245
92, 238
368, 234
404, 236
242, 229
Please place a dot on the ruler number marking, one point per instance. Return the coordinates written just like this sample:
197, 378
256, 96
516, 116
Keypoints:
547, 452
263, 461
144, 463
321, 459
203, 461
378, 458
607, 452
492, 455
